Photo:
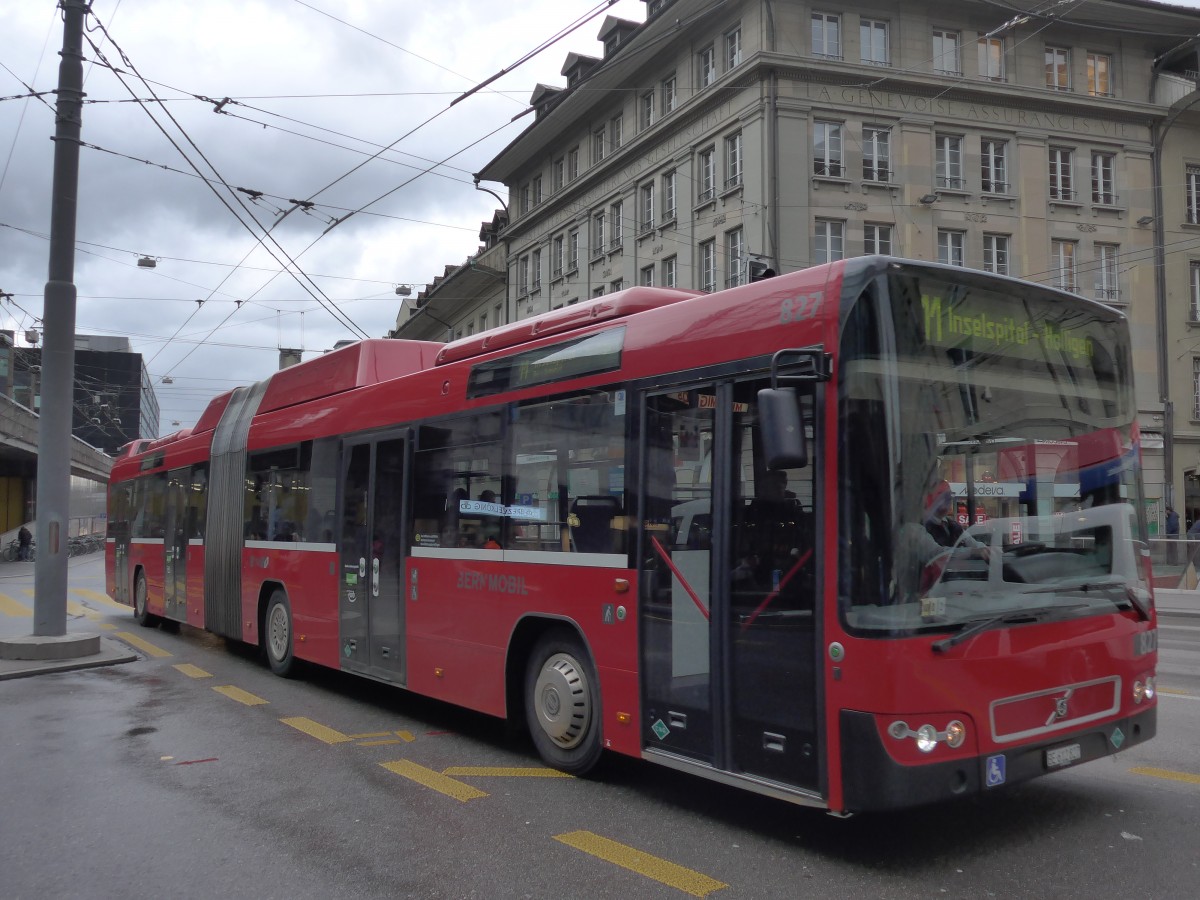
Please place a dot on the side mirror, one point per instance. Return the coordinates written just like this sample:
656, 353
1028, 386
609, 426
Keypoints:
782, 431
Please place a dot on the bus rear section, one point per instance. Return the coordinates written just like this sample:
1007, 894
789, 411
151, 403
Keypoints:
994, 610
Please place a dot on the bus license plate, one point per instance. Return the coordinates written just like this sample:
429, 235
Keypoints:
1062, 756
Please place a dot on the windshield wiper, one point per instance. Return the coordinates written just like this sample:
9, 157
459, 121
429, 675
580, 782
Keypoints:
1008, 617
1085, 585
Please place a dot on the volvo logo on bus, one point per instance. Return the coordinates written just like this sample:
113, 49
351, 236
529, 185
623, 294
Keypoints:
1060, 707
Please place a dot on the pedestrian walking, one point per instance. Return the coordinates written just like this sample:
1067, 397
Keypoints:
1172, 536
24, 541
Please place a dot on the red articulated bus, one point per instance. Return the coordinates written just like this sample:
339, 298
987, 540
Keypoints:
859, 537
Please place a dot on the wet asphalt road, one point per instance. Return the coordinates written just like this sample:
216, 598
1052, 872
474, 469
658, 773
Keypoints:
198, 774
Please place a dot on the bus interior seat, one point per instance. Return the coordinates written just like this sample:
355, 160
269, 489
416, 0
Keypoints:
594, 534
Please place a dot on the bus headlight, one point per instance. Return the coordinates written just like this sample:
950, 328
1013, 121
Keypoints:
1139, 691
927, 738
1150, 688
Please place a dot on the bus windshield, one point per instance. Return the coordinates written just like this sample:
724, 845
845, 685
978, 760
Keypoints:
989, 459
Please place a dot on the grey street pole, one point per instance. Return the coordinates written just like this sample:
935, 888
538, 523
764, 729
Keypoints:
58, 347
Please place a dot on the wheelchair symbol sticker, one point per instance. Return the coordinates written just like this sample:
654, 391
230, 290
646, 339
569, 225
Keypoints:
995, 771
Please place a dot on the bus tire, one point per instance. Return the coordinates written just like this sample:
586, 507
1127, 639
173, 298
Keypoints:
562, 703
141, 611
277, 635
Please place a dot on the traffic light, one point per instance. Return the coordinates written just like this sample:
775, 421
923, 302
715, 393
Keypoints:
758, 270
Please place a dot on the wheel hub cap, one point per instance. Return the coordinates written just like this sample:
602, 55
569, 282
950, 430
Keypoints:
563, 707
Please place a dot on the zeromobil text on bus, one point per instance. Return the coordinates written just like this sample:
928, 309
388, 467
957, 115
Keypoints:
860, 537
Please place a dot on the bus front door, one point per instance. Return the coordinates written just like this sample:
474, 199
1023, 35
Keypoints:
372, 557
728, 590
175, 545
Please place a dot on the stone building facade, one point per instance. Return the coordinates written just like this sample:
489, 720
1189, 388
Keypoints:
714, 140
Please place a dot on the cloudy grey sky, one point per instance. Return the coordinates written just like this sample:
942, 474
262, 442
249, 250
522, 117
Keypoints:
317, 88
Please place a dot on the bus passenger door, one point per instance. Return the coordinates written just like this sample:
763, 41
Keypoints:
372, 556
175, 545
728, 590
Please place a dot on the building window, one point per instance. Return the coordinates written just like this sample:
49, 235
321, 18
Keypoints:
598, 234
827, 149
1058, 68
560, 173
523, 276
1103, 179
668, 197
537, 189
950, 247
617, 284
1062, 256
827, 35
828, 241
646, 110
483, 321
945, 52
1099, 67
877, 239
598, 291
1060, 174
877, 154
733, 47
734, 257
948, 162
617, 225
526, 195
668, 94
733, 160
1108, 285
706, 175
557, 257
668, 271
498, 314
708, 66
993, 159
572, 164
470, 328
573, 250
1196, 387
647, 276
597, 145
873, 42
647, 207
1193, 195
1195, 291
536, 273
708, 265
991, 58
614, 132
995, 253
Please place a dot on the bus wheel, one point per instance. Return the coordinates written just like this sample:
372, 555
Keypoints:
562, 703
141, 615
277, 635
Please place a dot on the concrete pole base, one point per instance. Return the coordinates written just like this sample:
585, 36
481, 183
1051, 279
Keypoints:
60, 646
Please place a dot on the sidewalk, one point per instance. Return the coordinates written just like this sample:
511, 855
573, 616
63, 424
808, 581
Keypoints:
84, 616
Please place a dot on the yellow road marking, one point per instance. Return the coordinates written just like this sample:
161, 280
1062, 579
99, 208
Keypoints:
1174, 693
406, 735
382, 743
662, 871
142, 644
236, 693
101, 598
11, 607
317, 730
1185, 777
431, 779
370, 734
193, 671
505, 772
